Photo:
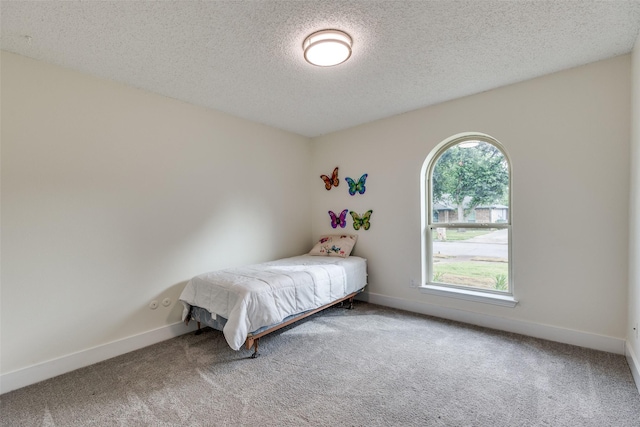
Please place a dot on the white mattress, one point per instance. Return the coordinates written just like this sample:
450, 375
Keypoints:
259, 295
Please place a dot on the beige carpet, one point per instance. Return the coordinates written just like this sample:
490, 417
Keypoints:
370, 366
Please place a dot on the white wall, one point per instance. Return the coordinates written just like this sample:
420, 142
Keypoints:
633, 343
567, 135
113, 197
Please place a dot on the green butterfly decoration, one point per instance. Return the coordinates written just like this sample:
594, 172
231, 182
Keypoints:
361, 221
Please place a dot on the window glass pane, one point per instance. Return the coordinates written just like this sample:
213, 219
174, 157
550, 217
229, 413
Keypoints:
473, 257
470, 184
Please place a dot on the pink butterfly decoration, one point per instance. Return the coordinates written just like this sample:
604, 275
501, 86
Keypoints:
339, 220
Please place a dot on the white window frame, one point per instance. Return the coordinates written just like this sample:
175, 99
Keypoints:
489, 296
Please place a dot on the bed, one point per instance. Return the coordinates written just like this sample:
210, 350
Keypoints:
249, 302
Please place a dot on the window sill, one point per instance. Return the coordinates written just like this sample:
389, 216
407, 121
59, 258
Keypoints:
469, 295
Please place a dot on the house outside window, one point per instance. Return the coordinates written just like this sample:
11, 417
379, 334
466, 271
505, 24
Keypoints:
466, 220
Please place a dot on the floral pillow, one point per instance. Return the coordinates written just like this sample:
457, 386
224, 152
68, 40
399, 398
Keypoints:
335, 245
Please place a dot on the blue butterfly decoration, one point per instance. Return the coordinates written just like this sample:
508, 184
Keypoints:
339, 220
357, 186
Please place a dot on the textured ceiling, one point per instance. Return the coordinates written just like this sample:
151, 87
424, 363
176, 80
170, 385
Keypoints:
245, 57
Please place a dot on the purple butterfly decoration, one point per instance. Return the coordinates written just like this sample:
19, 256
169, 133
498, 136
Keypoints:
340, 220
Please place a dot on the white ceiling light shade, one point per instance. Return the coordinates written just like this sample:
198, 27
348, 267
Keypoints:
327, 48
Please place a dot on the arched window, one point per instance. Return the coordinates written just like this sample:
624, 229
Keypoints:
466, 220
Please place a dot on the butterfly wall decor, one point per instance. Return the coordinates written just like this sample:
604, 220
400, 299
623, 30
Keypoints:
339, 220
357, 186
361, 221
331, 181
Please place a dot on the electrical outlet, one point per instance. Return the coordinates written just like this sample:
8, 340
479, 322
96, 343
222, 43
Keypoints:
413, 283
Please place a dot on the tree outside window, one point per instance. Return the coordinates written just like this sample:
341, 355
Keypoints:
468, 226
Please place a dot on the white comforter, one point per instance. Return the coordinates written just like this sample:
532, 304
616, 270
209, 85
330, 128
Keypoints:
261, 295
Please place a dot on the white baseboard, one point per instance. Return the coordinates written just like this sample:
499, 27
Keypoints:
51, 368
537, 330
634, 364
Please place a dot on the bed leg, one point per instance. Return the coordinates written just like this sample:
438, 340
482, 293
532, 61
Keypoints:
199, 331
350, 304
255, 349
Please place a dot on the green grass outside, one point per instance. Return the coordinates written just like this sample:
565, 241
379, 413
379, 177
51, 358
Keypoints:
473, 268
476, 274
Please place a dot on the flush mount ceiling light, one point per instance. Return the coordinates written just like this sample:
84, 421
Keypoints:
327, 48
